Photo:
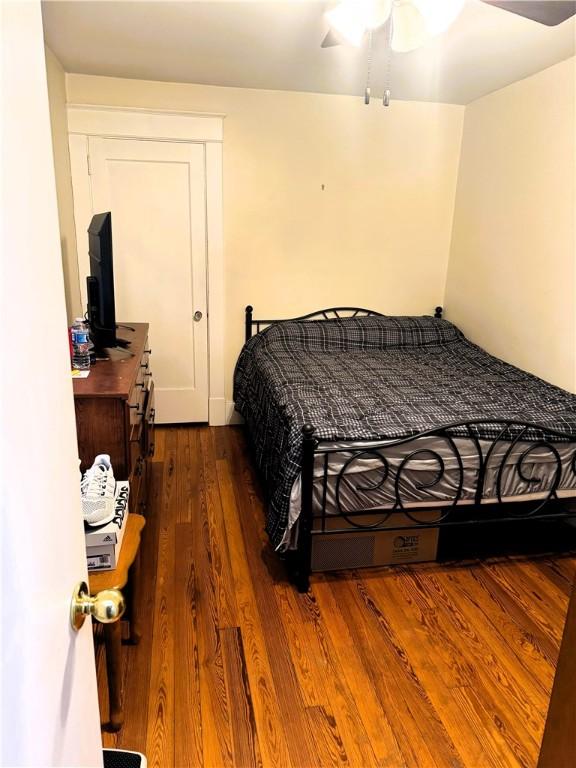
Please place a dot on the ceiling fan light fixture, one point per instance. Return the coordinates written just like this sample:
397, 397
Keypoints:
351, 19
409, 29
439, 14
378, 13
348, 22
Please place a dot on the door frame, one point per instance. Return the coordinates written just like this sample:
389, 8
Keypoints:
85, 120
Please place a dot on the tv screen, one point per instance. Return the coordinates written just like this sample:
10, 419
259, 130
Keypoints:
101, 307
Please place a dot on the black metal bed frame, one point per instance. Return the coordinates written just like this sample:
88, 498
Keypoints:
453, 512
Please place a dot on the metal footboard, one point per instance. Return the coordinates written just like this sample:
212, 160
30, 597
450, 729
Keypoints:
489, 452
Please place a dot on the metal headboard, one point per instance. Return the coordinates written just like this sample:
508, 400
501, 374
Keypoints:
330, 313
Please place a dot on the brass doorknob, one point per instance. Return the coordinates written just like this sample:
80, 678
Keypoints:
107, 606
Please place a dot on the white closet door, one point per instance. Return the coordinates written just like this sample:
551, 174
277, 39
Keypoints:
156, 193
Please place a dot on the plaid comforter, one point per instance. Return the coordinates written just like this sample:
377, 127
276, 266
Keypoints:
374, 378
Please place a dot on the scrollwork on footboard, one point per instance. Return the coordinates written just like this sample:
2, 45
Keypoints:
468, 463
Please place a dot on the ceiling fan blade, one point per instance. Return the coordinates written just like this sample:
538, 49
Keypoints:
549, 12
331, 39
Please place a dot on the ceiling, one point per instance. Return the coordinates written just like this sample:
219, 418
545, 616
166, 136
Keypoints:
276, 45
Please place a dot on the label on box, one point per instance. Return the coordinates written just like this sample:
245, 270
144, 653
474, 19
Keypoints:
410, 546
100, 560
406, 547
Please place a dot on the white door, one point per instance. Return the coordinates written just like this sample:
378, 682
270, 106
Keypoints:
49, 706
156, 193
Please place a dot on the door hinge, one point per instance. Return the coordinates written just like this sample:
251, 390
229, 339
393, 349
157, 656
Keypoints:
88, 164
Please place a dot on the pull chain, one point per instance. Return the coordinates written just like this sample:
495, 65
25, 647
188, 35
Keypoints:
386, 97
369, 72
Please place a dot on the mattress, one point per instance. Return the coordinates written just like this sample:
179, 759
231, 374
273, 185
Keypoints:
380, 379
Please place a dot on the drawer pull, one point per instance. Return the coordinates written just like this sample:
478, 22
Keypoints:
148, 373
140, 384
144, 365
147, 351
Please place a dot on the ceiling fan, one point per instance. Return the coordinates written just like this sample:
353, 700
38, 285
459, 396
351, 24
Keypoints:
412, 22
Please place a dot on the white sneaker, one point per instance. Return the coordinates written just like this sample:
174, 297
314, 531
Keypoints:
98, 488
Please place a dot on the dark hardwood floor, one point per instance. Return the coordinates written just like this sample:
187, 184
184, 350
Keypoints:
425, 665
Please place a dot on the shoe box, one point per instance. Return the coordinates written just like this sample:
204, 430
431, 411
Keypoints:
103, 543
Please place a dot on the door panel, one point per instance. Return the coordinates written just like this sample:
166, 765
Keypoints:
49, 713
156, 192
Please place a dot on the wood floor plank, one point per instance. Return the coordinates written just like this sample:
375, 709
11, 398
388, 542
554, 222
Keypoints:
491, 668
160, 734
566, 564
523, 592
522, 644
557, 576
218, 536
188, 710
310, 660
329, 746
334, 699
216, 727
519, 705
375, 721
416, 725
499, 746
417, 666
244, 733
314, 691
159, 442
507, 602
436, 660
266, 698
420, 616
186, 474
221, 444
541, 587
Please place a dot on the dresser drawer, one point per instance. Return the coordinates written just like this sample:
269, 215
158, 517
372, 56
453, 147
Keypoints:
136, 444
138, 482
144, 371
148, 425
136, 403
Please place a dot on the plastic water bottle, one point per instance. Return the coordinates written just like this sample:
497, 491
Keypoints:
80, 345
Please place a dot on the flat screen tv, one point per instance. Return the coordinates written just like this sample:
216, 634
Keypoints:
100, 284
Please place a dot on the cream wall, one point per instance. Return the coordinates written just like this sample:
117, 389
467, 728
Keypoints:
377, 235
511, 283
59, 125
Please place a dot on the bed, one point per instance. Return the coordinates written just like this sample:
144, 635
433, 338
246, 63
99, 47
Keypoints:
363, 424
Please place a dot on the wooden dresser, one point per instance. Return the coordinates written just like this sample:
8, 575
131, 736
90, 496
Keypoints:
115, 413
